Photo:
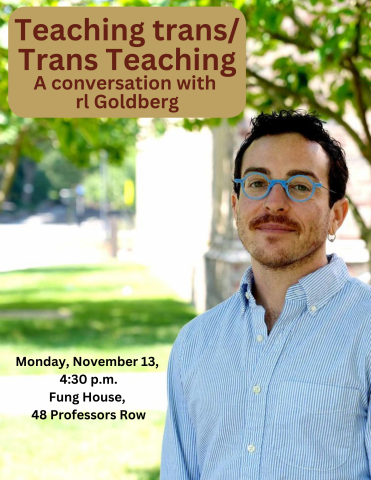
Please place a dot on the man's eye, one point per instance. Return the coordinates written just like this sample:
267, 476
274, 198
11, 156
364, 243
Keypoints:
301, 188
256, 184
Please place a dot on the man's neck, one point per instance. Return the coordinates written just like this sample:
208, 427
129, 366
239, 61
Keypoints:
271, 285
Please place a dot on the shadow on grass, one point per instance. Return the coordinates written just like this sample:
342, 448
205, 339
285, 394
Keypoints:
103, 322
151, 474
102, 325
67, 269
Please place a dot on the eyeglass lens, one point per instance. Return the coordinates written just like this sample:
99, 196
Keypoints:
299, 187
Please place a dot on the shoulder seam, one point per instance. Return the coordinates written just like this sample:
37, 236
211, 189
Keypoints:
361, 284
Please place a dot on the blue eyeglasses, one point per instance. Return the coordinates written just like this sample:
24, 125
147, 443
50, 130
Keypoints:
298, 188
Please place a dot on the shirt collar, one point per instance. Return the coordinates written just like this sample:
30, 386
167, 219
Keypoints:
317, 287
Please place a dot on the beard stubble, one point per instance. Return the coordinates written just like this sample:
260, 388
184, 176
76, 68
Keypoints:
293, 254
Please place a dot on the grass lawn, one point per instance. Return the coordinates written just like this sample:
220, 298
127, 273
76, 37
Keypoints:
80, 450
105, 321
115, 310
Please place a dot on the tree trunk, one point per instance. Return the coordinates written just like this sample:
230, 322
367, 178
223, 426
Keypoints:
226, 259
365, 231
9, 170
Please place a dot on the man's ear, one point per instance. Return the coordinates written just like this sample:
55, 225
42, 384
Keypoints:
234, 201
338, 214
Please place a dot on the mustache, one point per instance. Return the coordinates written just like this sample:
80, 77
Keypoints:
279, 219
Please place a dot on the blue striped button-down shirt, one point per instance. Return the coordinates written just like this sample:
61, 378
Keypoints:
291, 405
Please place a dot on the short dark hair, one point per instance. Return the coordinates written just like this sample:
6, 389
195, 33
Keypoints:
309, 126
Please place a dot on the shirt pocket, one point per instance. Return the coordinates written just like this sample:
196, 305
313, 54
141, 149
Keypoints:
314, 425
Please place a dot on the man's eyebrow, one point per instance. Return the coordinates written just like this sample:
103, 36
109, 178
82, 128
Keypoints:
308, 173
290, 173
256, 169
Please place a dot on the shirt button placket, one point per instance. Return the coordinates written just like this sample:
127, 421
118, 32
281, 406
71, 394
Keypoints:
256, 401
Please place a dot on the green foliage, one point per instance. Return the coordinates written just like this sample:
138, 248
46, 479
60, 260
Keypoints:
59, 172
41, 188
319, 52
116, 177
79, 140
40, 182
320, 44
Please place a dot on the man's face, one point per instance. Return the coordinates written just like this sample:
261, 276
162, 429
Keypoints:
275, 230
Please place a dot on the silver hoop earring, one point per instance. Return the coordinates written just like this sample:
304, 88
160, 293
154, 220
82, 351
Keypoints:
331, 238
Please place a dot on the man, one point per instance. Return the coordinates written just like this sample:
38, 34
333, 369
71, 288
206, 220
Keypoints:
274, 383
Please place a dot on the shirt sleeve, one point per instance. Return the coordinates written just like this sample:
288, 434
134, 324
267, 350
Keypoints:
179, 457
368, 426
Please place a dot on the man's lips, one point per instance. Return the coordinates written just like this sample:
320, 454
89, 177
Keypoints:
274, 227
275, 224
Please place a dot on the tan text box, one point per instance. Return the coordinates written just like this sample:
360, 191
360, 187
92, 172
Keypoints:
127, 62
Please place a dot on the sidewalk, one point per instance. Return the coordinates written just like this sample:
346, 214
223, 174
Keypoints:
35, 246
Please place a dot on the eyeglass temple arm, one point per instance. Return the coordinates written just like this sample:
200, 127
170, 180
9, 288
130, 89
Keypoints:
320, 185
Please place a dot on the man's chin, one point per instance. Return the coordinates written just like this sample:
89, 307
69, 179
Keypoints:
273, 252
277, 257
275, 262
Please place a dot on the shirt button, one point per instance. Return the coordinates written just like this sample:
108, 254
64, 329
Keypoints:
247, 295
313, 308
251, 448
259, 338
256, 389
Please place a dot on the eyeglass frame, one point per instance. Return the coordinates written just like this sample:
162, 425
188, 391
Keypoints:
283, 183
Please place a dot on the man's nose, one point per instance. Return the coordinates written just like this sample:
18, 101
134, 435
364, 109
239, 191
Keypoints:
277, 200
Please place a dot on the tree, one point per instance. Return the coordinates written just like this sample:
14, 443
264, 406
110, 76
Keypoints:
78, 139
313, 54
325, 66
